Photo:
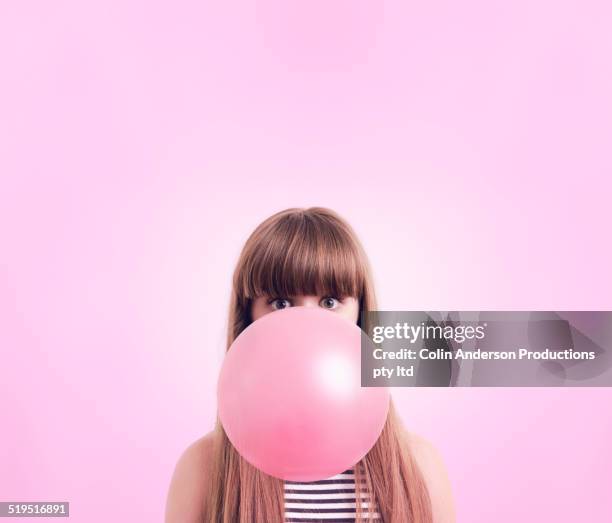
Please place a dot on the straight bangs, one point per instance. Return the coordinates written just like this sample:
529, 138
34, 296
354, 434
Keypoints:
302, 254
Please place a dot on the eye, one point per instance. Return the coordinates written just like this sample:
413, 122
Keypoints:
279, 303
329, 302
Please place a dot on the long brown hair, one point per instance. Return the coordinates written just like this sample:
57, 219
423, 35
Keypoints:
305, 252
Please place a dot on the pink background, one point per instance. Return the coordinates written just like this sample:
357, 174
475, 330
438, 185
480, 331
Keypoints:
140, 143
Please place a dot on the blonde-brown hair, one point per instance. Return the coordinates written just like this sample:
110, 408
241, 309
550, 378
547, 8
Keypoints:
309, 252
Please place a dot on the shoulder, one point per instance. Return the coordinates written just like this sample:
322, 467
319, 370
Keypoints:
188, 484
435, 475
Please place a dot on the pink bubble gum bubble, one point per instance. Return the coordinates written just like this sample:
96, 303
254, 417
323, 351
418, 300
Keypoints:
290, 396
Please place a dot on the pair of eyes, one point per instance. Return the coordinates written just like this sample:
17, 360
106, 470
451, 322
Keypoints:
328, 302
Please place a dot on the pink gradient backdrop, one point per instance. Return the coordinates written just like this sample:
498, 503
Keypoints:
140, 142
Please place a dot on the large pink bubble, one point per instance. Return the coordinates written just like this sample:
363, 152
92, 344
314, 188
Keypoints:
290, 396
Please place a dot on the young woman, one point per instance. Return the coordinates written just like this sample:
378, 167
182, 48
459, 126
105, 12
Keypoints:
308, 257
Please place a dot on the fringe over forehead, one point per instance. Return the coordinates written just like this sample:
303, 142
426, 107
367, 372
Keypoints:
301, 252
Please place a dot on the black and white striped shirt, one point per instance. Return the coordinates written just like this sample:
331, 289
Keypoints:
331, 500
